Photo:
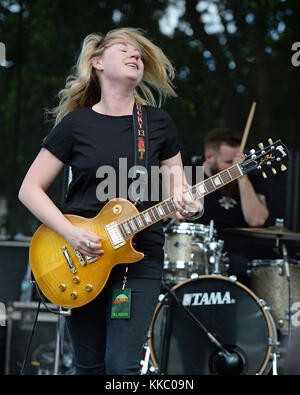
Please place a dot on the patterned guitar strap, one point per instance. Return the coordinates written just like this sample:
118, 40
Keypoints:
122, 297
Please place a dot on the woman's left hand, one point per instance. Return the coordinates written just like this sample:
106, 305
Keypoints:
186, 205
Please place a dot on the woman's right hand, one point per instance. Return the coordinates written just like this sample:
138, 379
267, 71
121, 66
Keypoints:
84, 241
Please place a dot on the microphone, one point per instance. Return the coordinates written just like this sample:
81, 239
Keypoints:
196, 159
228, 362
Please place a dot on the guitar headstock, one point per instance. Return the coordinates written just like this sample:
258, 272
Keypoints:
274, 156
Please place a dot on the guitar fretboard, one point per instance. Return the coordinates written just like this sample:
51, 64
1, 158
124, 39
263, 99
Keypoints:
164, 209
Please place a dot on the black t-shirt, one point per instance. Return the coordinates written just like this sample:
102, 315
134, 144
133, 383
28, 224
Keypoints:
227, 213
226, 210
87, 141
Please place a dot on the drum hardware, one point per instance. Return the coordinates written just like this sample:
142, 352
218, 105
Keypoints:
213, 256
169, 225
146, 366
274, 365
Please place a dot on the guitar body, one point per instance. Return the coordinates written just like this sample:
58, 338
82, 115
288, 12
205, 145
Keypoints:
52, 271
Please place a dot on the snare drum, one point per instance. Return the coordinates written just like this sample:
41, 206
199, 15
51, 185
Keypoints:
188, 251
228, 310
269, 281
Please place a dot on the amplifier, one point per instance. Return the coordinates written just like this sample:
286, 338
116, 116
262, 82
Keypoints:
14, 261
42, 352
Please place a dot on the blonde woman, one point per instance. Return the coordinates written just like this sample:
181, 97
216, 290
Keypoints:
94, 128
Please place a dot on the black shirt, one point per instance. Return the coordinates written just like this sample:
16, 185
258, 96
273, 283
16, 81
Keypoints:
88, 140
227, 213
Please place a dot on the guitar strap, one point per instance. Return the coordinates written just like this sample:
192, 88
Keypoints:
140, 178
136, 192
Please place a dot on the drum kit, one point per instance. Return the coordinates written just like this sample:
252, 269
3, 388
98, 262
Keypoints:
208, 323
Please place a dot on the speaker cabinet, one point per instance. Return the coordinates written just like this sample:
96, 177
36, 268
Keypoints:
14, 257
41, 356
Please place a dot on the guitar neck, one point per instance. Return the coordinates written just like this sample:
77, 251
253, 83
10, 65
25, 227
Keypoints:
166, 208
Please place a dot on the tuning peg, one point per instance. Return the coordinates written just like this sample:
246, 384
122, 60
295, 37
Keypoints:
264, 175
283, 167
274, 170
261, 146
270, 141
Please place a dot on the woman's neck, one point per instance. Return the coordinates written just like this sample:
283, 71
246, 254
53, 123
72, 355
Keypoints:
115, 102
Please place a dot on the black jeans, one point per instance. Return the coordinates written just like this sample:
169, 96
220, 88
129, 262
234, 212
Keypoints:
113, 346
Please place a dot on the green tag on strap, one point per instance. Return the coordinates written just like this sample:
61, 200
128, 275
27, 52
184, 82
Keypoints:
121, 303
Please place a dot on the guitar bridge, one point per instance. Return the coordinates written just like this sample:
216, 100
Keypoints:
68, 259
115, 235
91, 259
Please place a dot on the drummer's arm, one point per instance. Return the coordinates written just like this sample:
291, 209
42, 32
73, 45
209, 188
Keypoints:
254, 206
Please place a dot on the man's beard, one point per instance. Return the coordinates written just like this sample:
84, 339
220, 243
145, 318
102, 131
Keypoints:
228, 190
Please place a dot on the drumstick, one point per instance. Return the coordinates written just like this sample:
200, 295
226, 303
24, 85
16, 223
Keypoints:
247, 128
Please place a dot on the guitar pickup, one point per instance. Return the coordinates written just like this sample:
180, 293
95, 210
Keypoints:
68, 259
80, 258
115, 235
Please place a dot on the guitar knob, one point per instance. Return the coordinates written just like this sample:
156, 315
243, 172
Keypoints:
270, 141
274, 170
264, 175
88, 288
261, 146
62, 287
74, 295
76, 280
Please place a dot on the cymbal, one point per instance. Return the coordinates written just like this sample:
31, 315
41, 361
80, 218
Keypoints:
271, 232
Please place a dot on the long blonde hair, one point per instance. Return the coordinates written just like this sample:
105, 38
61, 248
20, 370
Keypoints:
82, 88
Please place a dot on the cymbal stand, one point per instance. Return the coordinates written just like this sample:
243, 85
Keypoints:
289, 311
207, 242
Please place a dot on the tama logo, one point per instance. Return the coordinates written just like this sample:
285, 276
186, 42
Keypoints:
207, 299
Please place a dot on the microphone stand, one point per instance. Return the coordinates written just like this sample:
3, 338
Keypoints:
169, 224
59, 346
60, 325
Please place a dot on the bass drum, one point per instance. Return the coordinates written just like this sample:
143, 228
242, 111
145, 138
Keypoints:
236, 317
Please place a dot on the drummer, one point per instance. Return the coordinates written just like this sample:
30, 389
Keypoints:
239, 204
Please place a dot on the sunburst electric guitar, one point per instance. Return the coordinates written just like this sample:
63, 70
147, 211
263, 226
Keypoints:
69, 279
